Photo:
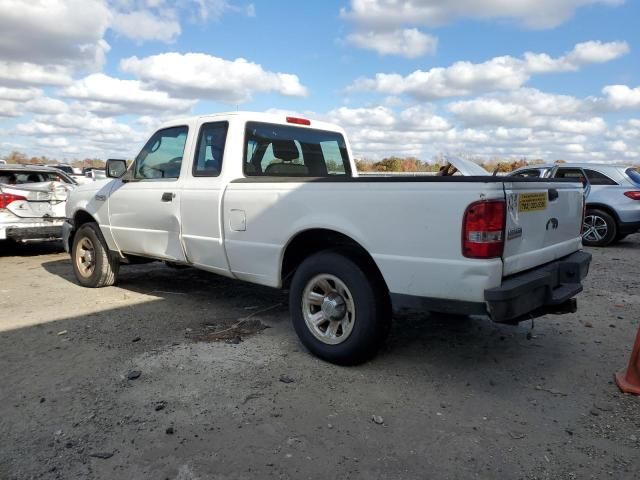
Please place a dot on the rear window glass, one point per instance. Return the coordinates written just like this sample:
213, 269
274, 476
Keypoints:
597, 178
286, 151
633, 174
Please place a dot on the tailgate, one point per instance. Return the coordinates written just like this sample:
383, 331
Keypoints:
43, 199
543, 223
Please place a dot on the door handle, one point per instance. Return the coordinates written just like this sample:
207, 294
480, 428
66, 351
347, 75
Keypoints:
168, 196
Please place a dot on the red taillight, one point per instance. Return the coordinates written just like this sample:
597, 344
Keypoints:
298, 121
7, 198
633, 195
483, 229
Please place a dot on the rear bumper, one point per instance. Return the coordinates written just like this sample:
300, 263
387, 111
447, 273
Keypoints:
546, 289
21, 232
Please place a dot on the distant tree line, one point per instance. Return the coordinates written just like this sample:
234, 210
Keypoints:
16, 157
412, 164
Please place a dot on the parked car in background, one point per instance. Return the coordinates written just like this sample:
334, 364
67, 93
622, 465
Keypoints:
613, 197
32, 202
68, 169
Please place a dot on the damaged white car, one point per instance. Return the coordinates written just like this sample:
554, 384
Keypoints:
32, 202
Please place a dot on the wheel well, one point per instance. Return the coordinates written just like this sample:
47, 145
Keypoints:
604, 208
312, 241
80, 218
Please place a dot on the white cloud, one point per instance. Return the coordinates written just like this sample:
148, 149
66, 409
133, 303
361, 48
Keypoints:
54, 32
55, 142
499, 73
513, 125
525, 107
144, 25
461, 78
82, 134
618, 146
9, 108
409, 42
124, 96
19, 94
620, 97
582, 54
422, 118
377, 116
46, 105
24, 73
531, 13
491, 111
198, 75
589, 126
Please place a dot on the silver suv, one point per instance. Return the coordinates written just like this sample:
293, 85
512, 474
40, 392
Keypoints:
613, 199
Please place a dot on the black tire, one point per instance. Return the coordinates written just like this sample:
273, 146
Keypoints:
371, 315
98, 270
606, 228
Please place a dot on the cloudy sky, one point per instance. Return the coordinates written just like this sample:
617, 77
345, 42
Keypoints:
520, 78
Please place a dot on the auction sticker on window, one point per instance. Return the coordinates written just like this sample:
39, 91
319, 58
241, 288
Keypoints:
532, 202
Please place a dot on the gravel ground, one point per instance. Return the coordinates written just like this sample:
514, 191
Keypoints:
156, 378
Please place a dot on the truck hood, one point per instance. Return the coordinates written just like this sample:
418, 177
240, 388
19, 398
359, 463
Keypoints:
466, 167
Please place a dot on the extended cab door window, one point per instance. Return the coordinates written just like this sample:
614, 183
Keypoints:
210, 149
288, 151
161, 157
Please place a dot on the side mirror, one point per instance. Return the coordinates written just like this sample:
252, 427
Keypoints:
116, 168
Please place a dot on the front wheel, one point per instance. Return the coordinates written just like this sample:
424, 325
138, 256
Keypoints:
599, 229
340, 309
93, 266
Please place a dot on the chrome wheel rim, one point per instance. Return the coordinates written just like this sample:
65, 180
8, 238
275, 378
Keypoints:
594, 228
328, 309
85, 257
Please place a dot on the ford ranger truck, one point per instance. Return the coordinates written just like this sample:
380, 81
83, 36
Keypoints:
277, 201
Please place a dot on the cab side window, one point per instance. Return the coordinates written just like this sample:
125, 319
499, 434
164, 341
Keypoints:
210, 149
161, 157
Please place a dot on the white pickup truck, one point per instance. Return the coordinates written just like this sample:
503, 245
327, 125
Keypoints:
277, 201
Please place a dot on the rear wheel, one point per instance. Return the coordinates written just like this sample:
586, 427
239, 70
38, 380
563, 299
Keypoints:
339, 309
92, 264
599, 229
